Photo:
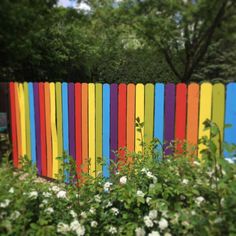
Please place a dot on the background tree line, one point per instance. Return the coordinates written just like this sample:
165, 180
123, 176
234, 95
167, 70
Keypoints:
118, 41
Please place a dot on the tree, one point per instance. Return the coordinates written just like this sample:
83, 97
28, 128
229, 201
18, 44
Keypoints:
181, 31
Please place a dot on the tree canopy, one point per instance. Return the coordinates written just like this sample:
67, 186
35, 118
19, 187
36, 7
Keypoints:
118, 41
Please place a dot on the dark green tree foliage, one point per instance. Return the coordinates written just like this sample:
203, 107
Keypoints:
39, 41
125, 41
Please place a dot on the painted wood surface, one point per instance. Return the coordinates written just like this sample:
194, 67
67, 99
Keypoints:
48, 128
149, 113
85, 153
122, 116
113, 121
230, 118
130, 118
98, 128
192, 117
27, 118
139, 113
159, 116
59, 123
92, 121
169, 118
42, 129
218, 111
32, 123
78, 127
204, 112
106, 130
13, 123
180, 117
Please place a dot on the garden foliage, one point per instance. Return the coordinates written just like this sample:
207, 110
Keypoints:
172, 195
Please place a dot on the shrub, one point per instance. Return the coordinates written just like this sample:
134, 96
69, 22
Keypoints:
172, 196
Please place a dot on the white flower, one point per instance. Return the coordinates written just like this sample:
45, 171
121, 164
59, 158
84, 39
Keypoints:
199, 200
92, 210
45, 201
154, 233
77, 227
49, 210
144, 170
73, 214
47, 194
107, 186
163, 224
148, 199
152, 214
94, 224
167, 234
123, 180
61, 194
149, 174
109, 204
193, 212
148, 222
222, 202
185, 223
74, 225
112, 230
5, 203
55, 188
63, 228
33, 194
139, 232
196, 163
151, 186
185, 181
97, 198
15, 215
83, 215
115, 211
154, 178
140, 193
11, 190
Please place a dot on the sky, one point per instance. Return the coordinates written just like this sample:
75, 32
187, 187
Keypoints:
68, 3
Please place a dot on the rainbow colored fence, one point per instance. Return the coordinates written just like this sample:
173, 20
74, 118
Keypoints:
90, 121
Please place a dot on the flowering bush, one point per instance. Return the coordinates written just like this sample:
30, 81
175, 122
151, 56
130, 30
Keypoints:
174, 196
